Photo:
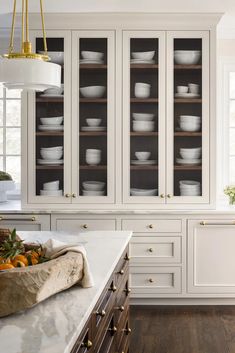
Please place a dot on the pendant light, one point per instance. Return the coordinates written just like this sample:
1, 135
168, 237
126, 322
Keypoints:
27, 70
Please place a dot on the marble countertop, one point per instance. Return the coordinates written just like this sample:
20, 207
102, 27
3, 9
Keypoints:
54, 325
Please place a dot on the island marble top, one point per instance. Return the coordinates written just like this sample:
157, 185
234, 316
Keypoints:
54, 325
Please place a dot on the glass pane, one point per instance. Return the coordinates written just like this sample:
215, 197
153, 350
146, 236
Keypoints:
143, 117
13, 141
13, 112
13, 167
1, 140
232, 170
232, 113
187, 116
93, 117
1, 112
13, 93
232, 85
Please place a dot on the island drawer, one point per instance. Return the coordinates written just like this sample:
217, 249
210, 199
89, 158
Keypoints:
84, 343
82, 225
152, 225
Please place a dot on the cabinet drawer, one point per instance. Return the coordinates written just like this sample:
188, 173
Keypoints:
153, 225
155, 250
149, 280
85, 224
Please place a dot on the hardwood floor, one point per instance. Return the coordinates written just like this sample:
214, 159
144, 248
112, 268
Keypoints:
182, 329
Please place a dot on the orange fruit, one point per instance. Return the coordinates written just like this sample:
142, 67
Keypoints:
20, 258
18, 263
6, 267
34, 260
3, 260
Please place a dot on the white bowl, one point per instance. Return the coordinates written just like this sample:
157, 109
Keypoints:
188, 126
190, 153
93, 91
143, 116
51, 154
92, 55
182, 89
52, 121
55, 90
142, 85
56, 148
143, 192
144, 55
51, 192
190, 118
143, 126
187, 57
93, 121
57, 57
189, 183
51, 185
91, 151
193, 88
93, 185
93, 160
190, 193
142, 156
93, 193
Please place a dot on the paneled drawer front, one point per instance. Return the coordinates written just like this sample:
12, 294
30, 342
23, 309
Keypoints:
153, 225
150, 280
85, 224
157, 249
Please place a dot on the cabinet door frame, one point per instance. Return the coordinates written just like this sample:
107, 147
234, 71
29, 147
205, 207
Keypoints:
205, 198
31, 127
111, 70
127, 35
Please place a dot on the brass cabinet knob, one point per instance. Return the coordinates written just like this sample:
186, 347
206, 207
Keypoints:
67, 195
101, 313
128, 290
151, 280
169, 196
162, 196
121, 308
113, 288
121, 272
33, 218
150, 249
202, 223
127, 330
87, 344
127, 257
85, 226
74, 195
113, 329
150, 226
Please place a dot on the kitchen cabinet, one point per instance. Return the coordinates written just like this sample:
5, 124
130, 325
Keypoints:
25, 222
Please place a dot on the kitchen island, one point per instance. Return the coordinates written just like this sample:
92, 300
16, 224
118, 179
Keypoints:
58, 324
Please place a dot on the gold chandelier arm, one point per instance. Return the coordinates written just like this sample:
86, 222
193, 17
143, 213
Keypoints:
27, 20
43, 29
22, 29
12, 28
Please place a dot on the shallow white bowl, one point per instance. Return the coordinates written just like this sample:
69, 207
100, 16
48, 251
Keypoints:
182, 89
143, 192
144, 55
52, 185
93, 185
93, 193
93, 121
142, 156
57, 57
51, 192
52, 121
92, 55
187, 57
93, 91
143, 116
51, 154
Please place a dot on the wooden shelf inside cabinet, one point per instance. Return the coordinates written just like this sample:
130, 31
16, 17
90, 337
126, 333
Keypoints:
188, 100
93, 66
50, 167
144, 167
93, 167
144, 66
93, 100
144, 100
50, 99
188, 167
93, 133
50, 133
151, 133
185, 133
188, 67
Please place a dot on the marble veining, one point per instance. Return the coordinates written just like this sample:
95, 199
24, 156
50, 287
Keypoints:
54, 325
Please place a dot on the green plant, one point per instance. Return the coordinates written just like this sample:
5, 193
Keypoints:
230, 191
5, 176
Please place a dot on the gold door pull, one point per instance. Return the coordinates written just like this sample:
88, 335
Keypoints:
150, 249
67, 195
162, 196
151, 280
169, 196
101, 313
150, 226
121, 272
85, 226
87, 344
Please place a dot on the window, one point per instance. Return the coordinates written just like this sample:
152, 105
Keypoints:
10, 134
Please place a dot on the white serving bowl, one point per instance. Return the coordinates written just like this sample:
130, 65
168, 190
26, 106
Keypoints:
51, 185
51, 192
187, 57
190, 193
143, 116
190, 118
190, 153
143, 192
142, 93
93, 160
93, 91
182, 89
55, 90
51, 154
93, 193
143, 126
92, 55
57, 57
144, 55
93, 185
190, 127
142, 156
93, 121
52, 121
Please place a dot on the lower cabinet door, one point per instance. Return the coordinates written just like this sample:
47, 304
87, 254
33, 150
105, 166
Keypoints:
154, 280
211, 260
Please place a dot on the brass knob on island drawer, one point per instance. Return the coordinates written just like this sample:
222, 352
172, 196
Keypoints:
121, 272
113, 329
85, 226
113, 288
127, 257
150, 249
150, 226
67, 195
121, 308
101, 313
33, 218
128, 290
151, 280
127, 330
87, 344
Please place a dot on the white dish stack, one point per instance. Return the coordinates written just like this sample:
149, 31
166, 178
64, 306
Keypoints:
51, 124
144, 57
190, 188
93, 125
91, 57
142, 122
190, 156
142, 90
93, 156
51, 155
189, 123
143, 192
187, 57
93, 188
51, 188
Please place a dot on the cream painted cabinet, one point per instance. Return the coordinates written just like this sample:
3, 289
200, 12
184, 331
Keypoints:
26, 222
211, 264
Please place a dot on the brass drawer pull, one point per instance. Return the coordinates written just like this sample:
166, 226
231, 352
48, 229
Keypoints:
87, 344
67, 195
102, 313
127, 330
121, 308
113, 329
150, 249
121, 272
151, 280
127, 257
113, 288
27, 219
204, 223
74, 195
150, 226
128, 290
85, 226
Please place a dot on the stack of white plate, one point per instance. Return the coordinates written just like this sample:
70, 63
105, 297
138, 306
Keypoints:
190, 123
93, 188
143, 122
51, 188
53, 123
143, 159
93, 125
54, 92
190, 188
190, 156
51, 155
143, 192
91, 57
144, 57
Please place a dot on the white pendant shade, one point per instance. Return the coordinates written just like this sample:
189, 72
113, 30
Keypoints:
29, 74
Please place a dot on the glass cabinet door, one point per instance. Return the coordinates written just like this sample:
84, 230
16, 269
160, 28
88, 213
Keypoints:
188, 117
144, 117
49, 128
93, 117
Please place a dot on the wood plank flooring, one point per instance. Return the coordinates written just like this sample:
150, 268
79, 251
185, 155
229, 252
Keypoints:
182, 329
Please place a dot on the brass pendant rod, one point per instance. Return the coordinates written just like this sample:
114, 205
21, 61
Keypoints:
43, 29
27, 21
11, 46
22, 29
